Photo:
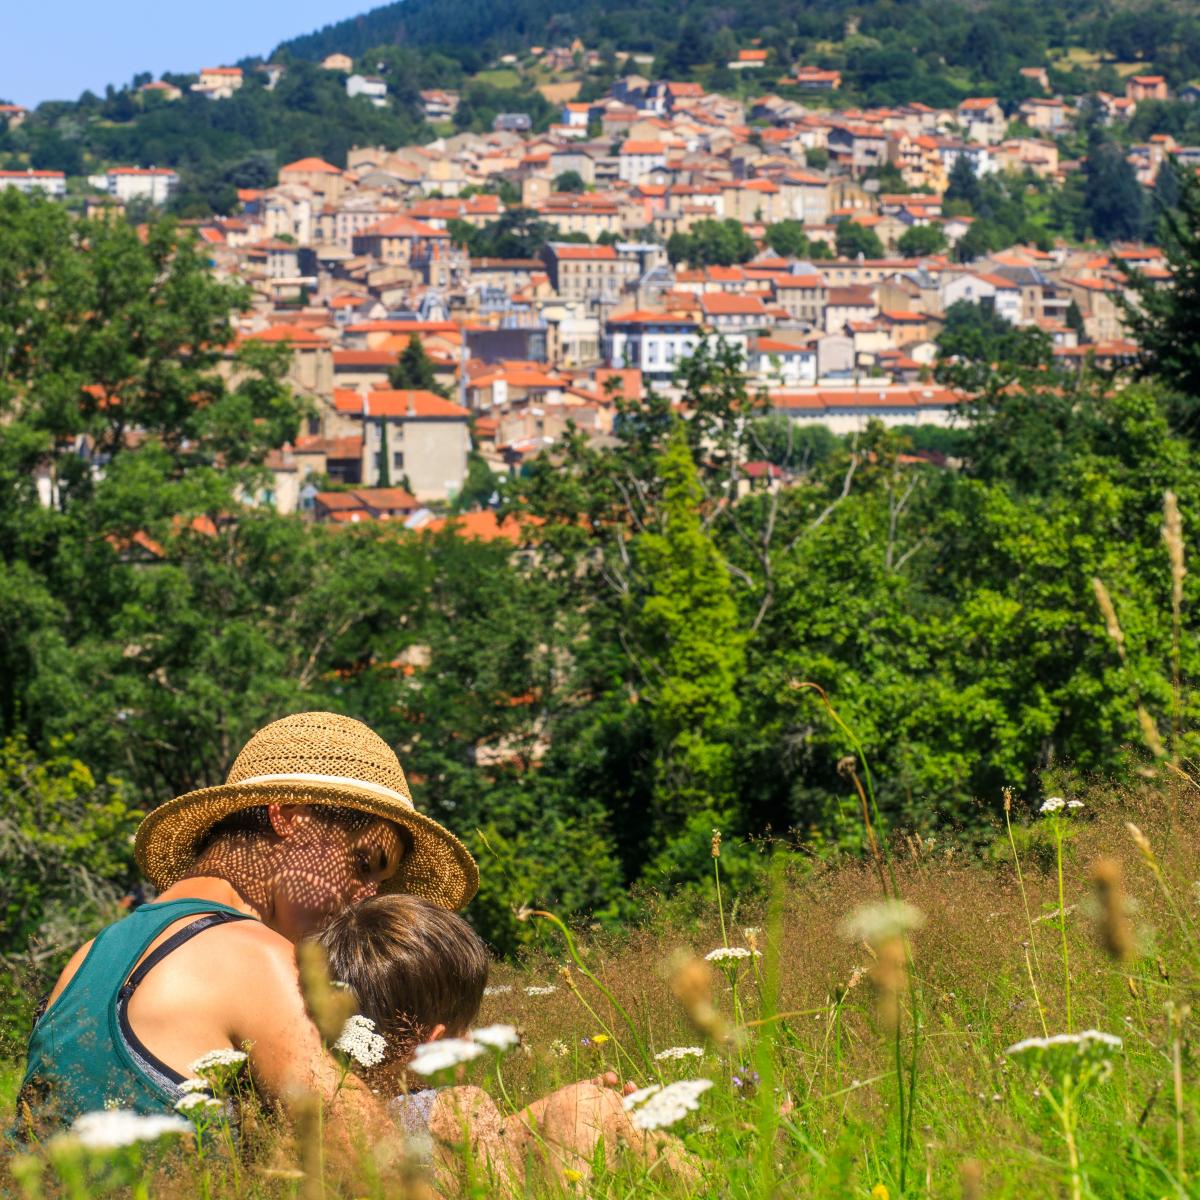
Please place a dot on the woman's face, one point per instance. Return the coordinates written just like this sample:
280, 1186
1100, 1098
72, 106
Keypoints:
324, 866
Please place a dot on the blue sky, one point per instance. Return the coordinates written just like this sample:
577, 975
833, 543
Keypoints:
55, 49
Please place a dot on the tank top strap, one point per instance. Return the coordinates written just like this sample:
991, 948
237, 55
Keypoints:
117, 949
83, 1054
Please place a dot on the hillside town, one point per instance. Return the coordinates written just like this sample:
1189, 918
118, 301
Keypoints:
352, 267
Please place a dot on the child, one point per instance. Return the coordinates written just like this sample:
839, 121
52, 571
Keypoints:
418, 971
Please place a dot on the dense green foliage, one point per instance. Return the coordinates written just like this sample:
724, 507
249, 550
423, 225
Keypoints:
853, 240
712, 243
929, 50
1165, 322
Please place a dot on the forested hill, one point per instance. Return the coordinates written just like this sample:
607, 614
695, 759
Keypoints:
915, 45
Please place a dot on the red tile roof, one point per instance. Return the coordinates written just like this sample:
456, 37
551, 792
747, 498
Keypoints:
415, 404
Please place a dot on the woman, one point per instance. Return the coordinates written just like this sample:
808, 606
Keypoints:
314, 815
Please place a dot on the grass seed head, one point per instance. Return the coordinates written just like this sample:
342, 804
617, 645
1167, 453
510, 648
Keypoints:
1150, 733
1172, 532
1116, 933
1109, 611
692, 981
1140, 840
329, 1007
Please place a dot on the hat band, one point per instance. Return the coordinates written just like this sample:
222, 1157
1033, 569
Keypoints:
336, 780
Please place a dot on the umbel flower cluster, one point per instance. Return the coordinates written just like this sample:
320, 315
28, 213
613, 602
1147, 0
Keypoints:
359, 1041
657, 1107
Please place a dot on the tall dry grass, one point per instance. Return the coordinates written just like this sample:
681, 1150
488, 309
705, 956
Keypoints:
805, 1099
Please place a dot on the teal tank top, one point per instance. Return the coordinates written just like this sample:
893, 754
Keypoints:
83, 1054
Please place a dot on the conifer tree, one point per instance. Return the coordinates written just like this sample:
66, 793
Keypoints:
414, 369
687, 628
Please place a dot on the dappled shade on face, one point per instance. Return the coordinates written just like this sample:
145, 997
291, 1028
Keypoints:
306, 866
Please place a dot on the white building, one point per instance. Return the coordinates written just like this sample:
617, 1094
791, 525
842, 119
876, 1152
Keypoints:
651, 341
845, 410
218, 83
137, 183
636, 160
47, 183
656, 343
978, 288
774, 361
370, 86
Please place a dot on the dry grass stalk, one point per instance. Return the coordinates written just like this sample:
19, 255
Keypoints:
1172, 533
1150, 733
1116, 933
889, 977
330, 1007
1113, 627
306, 1113
1140, 840
970, 1179
692, 982
1109, 612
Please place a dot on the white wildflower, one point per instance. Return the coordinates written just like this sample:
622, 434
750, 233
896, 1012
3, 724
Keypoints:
727, 953
559, 1048
1089, 1039
540, 991
628, 1103
194, 1085
499, 989
1052, 804
1074, 803
432, 1057
113, 1129
217, 1058
670, 1104
673, 1052
497, 1037
882, 921
195, 1101
360, 1042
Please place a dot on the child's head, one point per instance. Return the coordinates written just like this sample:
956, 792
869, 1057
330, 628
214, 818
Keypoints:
411, 965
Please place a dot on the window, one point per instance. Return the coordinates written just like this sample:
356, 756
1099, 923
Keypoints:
314, 426
398, 460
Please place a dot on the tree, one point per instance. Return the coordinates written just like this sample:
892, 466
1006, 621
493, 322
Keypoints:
854, 241
385, 466
921, 240
687, 628
65, 857
1113, 199
569, 181
788, 239
975, 243
963, 185
414, 369
1165, 320
1074, 320
712, 243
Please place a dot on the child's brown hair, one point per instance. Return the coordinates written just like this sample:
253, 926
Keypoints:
410, 964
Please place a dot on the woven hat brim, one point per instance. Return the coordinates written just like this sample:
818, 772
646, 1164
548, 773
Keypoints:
438, 867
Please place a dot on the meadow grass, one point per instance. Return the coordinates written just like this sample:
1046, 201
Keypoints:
824, 1085
499, 77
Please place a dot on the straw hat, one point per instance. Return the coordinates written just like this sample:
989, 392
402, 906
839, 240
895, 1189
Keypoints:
313, 758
